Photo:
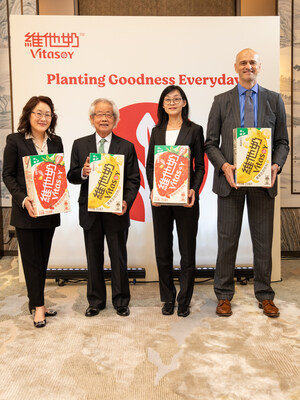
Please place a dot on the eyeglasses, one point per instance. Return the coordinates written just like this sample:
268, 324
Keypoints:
40, 115
176, 100
107, 115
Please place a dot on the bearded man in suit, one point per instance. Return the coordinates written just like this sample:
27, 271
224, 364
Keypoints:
104, 116
226, 114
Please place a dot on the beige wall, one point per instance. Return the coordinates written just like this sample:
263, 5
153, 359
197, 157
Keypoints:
69, 7
57, 7
158, 7
258, 7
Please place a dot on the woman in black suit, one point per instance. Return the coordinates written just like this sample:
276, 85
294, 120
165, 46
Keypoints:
174, 128
36, 135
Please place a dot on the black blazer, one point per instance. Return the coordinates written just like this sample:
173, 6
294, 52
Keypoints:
191, 136
13, 177
81, 150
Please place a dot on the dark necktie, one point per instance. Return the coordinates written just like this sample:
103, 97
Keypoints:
101, 146
249, 111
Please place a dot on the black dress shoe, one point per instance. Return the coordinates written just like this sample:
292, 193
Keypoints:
168, 309
39, 324
183, 311
92, 311
123, 311
50, 313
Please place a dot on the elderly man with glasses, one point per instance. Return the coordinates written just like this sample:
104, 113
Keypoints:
104, 116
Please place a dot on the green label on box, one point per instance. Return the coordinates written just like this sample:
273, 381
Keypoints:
96, 157
244, 131
161, 149
45, 158
180, 150
241, 132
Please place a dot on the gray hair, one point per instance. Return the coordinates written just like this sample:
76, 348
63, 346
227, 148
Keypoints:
114, 107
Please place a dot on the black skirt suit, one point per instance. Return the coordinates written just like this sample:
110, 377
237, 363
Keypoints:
34, 234
186, 218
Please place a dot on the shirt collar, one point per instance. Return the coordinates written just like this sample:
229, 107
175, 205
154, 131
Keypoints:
242, 90
29, 135
107, 138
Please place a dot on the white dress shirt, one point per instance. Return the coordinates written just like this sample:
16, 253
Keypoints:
171, 137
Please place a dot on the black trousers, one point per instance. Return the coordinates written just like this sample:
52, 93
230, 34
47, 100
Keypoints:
94, 246
35, 246
186, 220
260, 216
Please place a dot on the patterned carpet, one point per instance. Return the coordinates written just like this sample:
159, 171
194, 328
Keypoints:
147, 355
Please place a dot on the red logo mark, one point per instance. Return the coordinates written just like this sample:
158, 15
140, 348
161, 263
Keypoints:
136, 123
60, 45
35, 39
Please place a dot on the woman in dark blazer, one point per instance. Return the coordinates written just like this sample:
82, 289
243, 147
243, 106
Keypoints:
174, 128
36, 135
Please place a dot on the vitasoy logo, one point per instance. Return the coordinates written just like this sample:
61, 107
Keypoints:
52, 45
136, 123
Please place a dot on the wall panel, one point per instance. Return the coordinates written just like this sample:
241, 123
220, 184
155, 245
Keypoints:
157, 8
7, 8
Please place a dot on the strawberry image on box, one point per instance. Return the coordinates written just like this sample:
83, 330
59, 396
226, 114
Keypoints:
171, 175
106, 182
46, 183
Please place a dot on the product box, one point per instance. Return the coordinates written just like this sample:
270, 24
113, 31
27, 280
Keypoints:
171, 181
46, 183
252, 156
106, 182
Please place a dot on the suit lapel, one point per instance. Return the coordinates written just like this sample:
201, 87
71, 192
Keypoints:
262, 102
30, 146
114, 147
161, 135
51, 146
234, 98
182, 134
91, 143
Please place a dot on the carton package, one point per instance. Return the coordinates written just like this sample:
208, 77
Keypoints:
46, 183
252, 156
106, 182
171, 181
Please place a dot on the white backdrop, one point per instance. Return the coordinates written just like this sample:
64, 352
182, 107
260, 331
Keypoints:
77, 59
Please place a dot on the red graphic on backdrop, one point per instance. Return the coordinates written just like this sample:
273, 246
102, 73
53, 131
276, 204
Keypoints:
42, 46
50, 39
136, 123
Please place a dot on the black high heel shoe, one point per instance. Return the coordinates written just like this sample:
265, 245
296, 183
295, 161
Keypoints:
49, 313
39, 324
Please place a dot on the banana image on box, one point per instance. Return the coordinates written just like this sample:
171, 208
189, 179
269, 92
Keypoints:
106, 182
252, 156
